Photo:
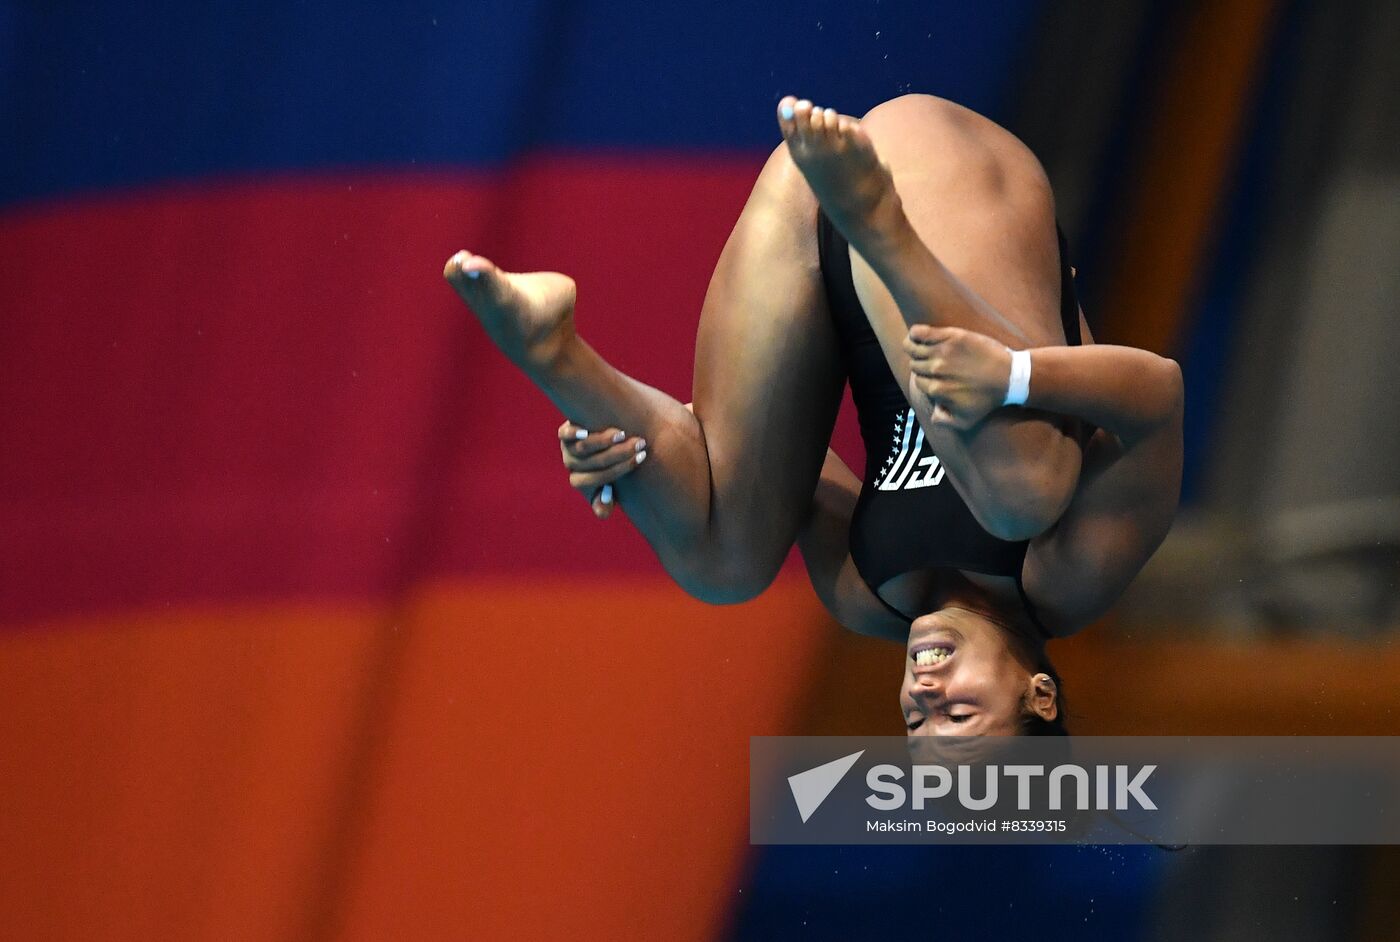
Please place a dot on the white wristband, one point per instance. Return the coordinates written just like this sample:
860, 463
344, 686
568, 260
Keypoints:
1018, 389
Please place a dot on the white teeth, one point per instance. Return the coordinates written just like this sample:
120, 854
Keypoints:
931, 656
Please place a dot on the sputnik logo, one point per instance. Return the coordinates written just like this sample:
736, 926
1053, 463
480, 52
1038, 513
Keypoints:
810, 788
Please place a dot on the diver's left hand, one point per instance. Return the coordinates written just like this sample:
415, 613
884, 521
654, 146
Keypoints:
962, 374
595, 460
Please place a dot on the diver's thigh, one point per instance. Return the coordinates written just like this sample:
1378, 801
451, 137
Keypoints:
980, 201
768, 375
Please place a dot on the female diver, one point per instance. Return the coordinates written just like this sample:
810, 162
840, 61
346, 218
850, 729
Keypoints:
1017, 477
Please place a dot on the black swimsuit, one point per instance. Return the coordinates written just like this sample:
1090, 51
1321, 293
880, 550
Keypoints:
909, 517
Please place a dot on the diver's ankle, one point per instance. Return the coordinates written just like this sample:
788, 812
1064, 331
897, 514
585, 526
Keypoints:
550, 354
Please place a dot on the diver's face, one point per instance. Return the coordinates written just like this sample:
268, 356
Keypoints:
963, 678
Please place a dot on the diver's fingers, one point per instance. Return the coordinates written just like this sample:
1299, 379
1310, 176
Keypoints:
586, 480
603, 502
584, 442
624, 451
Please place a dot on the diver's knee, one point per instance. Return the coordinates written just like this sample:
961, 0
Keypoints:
913, 105
727, 579
1023, 502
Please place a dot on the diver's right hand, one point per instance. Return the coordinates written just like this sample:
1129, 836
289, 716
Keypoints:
595, 460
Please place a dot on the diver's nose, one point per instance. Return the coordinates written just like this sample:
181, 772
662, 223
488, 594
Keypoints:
925, 686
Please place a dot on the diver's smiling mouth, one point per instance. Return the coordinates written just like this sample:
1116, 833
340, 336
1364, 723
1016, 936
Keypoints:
930, 654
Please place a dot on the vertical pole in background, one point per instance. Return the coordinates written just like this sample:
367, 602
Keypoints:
1165, 231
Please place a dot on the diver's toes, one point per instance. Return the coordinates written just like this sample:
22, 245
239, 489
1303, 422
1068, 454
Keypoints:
802, 119
477, 279
465, 265
856, 136
454, 265
787, 111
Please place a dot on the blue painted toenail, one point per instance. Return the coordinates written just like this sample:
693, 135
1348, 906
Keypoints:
787, 112
473, 275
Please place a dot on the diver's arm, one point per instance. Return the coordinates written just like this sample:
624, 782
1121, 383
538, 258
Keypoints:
1122, 509
966, 375
1130, 392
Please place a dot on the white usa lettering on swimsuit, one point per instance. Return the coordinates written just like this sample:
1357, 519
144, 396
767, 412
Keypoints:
911, 463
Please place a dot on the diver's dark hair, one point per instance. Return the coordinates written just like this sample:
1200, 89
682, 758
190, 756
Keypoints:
1031, 723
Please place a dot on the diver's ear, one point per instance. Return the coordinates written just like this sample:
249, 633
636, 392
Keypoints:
1044, 699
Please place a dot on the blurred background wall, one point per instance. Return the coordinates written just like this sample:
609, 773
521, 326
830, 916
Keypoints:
303, 634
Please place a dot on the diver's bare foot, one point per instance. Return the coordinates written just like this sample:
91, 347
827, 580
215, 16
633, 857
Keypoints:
529, 316
839, 161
